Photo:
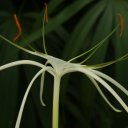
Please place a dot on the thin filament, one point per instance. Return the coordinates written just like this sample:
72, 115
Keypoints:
45, 20
95, 48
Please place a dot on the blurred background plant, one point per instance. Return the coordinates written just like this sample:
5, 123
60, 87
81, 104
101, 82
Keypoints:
74, 26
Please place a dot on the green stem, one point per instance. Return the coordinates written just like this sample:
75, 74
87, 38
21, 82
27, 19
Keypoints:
55, 116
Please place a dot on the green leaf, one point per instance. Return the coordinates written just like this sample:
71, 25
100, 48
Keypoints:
77, 40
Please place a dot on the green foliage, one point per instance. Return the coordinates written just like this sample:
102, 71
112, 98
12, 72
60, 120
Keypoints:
73, 27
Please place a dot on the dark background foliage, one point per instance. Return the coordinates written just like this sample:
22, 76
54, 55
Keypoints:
74, 26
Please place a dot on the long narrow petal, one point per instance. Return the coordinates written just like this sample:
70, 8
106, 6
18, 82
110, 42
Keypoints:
102, 94
21, 62
42, 88
25, 98
114, 82
100, 80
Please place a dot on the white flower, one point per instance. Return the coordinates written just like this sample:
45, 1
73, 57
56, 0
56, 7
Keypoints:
59, 68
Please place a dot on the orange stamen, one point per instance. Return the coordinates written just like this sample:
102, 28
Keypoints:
18, 27
121, 24
46, 13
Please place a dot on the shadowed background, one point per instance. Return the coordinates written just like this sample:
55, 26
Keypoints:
74, 26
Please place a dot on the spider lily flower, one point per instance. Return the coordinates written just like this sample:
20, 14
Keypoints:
58, 68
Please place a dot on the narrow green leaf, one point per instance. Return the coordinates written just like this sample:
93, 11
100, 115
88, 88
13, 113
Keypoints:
77, 40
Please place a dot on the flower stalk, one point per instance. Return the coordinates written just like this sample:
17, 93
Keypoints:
55, 111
